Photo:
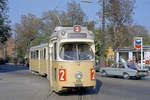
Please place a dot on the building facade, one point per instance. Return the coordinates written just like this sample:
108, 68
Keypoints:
133, 55
8, 49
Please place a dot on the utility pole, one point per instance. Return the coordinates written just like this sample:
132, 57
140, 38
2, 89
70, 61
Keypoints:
102, 52
103, 35
103, 16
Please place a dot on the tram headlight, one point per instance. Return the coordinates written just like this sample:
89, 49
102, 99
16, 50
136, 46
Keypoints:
78, 75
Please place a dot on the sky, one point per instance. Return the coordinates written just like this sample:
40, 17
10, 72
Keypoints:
38, 7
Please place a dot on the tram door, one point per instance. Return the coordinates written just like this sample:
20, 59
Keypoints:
53, 63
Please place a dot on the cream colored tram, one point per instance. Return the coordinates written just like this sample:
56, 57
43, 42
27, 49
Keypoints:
70, 57
39, 59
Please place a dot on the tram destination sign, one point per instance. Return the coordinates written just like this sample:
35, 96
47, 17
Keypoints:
77, 35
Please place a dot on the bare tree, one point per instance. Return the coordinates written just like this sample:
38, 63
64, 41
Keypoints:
27, 33
33, 31
118, 14
75, 13
50, 20
141, 31
73, 16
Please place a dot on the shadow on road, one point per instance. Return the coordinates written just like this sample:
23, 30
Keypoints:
9, 68
97, 89
83, 91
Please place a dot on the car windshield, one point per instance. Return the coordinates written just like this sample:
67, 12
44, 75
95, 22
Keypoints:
76, 52
132, 66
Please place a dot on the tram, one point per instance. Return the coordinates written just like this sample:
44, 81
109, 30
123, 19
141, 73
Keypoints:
68, 59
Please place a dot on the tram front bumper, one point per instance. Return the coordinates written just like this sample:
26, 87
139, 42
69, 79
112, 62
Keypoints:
78, 83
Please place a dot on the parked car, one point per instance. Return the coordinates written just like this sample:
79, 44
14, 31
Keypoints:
2, 60
127, 70
147, 66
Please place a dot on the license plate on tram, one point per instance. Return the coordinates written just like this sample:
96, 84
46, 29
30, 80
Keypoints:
78, 83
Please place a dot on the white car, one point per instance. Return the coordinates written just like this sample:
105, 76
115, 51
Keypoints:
124, 69
147, 66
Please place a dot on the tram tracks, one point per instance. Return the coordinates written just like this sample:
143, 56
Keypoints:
74, 95
50, 95
81, 95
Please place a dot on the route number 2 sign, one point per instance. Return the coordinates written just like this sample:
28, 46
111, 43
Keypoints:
62, 75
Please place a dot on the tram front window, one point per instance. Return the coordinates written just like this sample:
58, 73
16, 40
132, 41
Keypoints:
76, 52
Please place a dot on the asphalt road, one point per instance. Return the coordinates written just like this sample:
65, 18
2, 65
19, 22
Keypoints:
121, 89
18, 83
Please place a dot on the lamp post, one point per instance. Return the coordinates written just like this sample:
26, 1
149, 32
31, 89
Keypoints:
102, 30
86, 1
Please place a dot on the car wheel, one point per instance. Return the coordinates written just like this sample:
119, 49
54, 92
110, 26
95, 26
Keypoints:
138, 78
126, 76
104, 73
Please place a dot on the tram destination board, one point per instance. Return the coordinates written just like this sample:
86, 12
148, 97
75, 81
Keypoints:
77, 35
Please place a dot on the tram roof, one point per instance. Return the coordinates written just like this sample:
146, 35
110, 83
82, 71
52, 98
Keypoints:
39, 46
63, 32
59, 28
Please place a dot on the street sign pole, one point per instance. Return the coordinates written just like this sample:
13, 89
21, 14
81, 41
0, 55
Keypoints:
138, 44
141, 53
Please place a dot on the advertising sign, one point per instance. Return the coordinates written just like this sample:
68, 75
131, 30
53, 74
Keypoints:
138, 42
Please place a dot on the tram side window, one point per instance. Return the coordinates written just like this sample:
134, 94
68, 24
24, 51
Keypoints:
36, 54
44, 53
55, 51
32, 55
41, 54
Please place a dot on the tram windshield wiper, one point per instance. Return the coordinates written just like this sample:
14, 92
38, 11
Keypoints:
67, 57
85, 58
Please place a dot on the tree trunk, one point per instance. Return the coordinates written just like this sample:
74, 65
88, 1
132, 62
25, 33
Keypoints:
4, 50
